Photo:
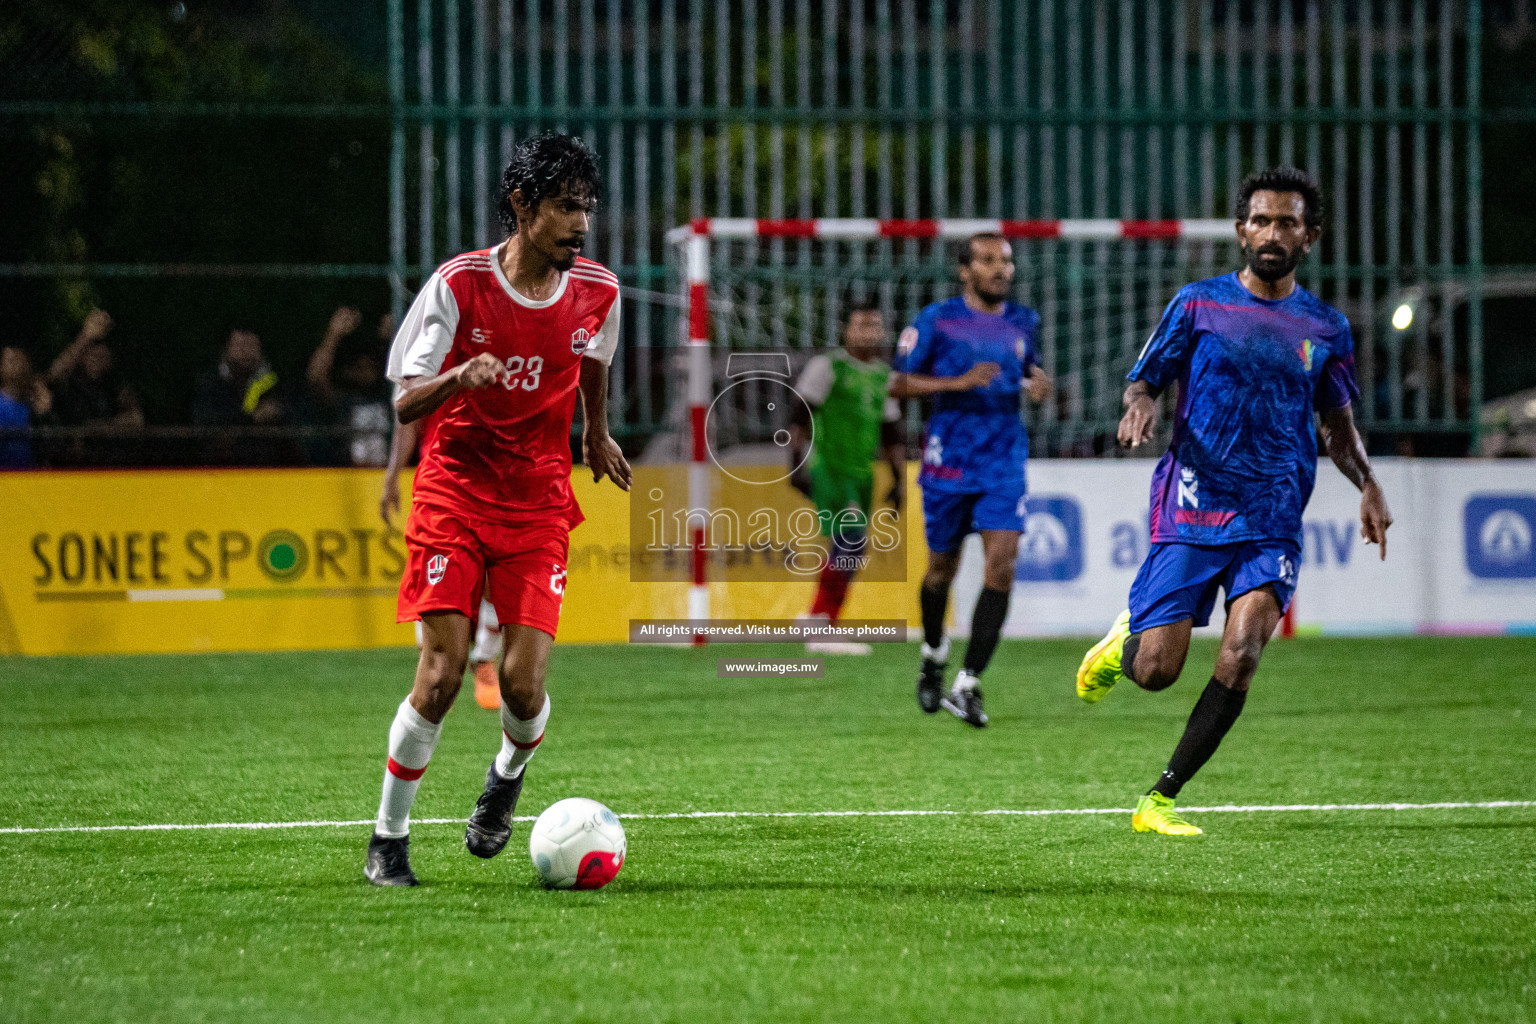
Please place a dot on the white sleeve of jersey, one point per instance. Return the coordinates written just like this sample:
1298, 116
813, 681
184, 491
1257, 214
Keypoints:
423, 340
815, 382
606, 342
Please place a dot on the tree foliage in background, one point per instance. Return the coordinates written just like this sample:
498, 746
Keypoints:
83, 184
103, 185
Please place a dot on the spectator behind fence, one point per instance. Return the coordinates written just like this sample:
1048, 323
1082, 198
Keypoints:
358, 398
24, 402
239, 393
89, 393
87, 388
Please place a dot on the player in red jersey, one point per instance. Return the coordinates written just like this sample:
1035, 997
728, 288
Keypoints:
485, 654
491, 357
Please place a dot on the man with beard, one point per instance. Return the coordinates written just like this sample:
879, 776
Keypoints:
1255, 355
496, 349
975, 354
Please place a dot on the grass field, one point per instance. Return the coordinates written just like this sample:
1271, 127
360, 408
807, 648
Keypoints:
1406, 915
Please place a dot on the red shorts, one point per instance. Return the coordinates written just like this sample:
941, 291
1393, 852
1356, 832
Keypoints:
450, 562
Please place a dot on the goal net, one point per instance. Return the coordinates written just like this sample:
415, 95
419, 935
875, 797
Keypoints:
1098, 285
761, 297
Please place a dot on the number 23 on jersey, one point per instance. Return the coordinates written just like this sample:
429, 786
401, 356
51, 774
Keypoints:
523, 373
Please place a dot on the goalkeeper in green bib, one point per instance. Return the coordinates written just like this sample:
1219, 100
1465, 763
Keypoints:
853, 420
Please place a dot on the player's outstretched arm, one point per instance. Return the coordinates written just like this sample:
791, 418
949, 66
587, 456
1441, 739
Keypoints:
1140, 417
422, 396
1348, 453
915, 385
599, 450
401, 445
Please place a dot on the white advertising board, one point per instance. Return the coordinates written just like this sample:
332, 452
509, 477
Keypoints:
1461, 554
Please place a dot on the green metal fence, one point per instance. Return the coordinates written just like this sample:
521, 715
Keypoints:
1026, 109
792, 108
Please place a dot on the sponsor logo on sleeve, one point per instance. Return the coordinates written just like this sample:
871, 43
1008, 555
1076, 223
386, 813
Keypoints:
1498, 531
907, 340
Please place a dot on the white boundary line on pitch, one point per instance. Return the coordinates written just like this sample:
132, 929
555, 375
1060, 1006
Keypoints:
1038, 813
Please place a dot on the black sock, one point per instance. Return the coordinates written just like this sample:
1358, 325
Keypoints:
1128, 655
986, 625
933, 603
1167, 784
1214, 714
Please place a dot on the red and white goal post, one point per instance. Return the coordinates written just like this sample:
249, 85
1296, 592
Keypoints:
698, 239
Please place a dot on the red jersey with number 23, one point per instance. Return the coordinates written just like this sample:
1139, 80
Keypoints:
502, 453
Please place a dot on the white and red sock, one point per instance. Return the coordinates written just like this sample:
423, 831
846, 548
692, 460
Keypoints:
831, 591
520, 739
411, 741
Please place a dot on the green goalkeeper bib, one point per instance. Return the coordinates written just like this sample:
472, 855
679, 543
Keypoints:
847, 424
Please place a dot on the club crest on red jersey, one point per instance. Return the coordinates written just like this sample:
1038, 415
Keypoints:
437, 567
580, 339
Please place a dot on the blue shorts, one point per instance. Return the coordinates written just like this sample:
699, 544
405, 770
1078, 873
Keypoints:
949, 517
1179, 581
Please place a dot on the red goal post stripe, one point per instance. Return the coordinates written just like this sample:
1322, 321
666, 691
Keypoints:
858, 228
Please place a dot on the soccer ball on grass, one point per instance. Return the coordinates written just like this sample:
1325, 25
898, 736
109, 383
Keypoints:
577, 844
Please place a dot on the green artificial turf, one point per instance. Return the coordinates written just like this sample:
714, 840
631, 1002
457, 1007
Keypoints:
1271, 916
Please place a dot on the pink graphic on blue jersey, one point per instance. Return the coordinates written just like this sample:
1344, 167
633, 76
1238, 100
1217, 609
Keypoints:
976, 442
1251, 373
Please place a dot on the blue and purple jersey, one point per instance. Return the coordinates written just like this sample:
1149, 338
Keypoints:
1251, 372
976, 442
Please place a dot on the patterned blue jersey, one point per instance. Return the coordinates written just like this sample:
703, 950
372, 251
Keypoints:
1250, 371
976, 440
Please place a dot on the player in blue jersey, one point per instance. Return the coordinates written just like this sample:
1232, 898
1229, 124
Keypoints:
975, 354
1255, 356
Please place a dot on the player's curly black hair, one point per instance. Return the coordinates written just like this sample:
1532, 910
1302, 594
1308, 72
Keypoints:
1284, 179
546, 166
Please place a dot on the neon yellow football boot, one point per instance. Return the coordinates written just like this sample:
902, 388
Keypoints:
1155, 813
1100, 670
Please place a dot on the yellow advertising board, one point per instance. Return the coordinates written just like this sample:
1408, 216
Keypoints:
242, 560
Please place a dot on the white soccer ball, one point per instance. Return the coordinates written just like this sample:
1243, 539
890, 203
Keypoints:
577, 844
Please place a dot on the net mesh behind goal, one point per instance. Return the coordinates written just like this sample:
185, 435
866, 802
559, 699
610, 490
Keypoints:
1097, 300
763, 296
